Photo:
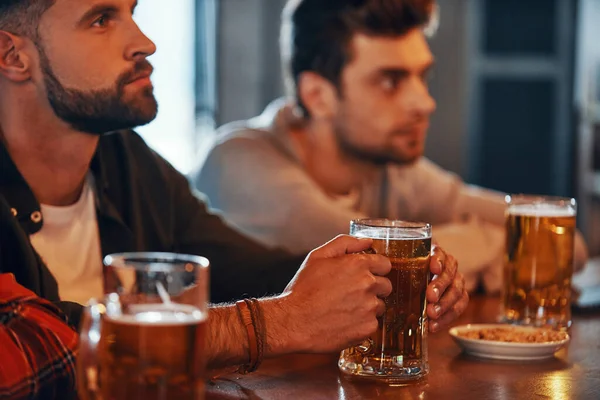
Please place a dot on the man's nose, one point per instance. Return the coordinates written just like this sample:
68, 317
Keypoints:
140, 46
420, 101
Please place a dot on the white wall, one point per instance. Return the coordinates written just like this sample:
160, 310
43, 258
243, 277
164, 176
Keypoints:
170, 24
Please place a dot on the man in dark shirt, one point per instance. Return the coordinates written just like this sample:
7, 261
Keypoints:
72, 71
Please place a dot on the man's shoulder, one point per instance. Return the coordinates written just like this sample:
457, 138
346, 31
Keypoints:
241, 131
243, 154
242, 142
259, 129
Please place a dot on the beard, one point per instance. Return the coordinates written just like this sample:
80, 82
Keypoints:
379, 157
100, 111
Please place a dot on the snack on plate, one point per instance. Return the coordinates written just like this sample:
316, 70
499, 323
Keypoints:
514, 335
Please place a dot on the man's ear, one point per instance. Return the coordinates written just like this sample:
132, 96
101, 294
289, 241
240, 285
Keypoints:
14, 61
318, 95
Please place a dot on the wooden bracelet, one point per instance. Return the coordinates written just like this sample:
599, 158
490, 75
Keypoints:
249, 321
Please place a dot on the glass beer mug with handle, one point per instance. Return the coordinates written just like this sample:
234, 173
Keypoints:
397, 352
538, 263
146, 339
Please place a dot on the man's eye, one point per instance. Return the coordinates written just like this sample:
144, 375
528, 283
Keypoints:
101, 21
389, 84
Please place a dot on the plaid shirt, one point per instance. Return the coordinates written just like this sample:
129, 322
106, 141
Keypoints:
37, 347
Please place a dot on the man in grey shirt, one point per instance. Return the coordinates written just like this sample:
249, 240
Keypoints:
350, 142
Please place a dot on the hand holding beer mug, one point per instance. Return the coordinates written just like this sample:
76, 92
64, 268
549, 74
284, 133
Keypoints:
146, 340
538, 268
397, 352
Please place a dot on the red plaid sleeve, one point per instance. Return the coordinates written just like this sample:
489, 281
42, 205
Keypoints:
37, 347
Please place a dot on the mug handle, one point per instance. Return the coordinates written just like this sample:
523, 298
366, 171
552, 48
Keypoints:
366, 345
87, 358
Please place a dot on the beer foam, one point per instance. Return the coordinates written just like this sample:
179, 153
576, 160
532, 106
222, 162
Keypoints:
392, 233
541, 210
161, 314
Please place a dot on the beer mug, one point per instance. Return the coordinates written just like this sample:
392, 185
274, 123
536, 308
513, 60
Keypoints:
397, 352
538, 267
146, 339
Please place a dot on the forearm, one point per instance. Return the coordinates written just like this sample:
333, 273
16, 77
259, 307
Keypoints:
228, 340
488, 205
440, 197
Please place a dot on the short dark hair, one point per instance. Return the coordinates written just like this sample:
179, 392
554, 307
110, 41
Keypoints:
22, 17
316, 34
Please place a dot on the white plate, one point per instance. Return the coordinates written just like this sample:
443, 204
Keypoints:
505, 350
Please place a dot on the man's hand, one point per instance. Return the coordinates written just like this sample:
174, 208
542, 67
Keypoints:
335, 298
446, 294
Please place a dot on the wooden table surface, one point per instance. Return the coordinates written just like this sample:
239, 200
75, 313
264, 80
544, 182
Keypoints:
574, 373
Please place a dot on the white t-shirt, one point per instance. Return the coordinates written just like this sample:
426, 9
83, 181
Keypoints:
69, 244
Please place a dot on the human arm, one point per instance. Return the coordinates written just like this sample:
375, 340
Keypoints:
439, 196
37, 347
315, 316
468, 221
312, 315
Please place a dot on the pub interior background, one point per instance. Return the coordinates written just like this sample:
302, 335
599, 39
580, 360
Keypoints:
517, 84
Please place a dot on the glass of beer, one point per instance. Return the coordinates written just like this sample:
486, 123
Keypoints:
538, 267
397, 352
146, 338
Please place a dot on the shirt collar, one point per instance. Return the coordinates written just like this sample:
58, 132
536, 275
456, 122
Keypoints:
24, 206
18, 195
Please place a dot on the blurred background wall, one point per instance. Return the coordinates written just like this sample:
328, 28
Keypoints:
516, 83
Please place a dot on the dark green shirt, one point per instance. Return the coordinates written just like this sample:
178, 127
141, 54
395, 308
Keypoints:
143, 204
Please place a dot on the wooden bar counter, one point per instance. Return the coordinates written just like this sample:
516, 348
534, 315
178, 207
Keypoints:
574, 373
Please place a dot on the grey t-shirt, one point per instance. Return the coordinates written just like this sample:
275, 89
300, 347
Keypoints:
253, 176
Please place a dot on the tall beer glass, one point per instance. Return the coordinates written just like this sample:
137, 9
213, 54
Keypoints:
397, 352
146, 339
538, 269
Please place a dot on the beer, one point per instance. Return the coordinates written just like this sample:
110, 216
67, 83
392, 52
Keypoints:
539, 264
398, 350
154, 352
